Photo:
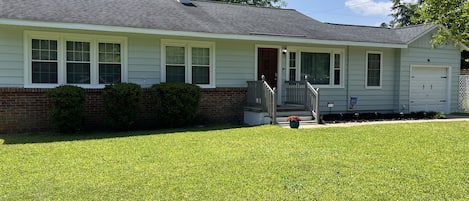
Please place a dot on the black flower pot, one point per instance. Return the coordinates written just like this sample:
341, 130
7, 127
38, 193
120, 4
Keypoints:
294, 124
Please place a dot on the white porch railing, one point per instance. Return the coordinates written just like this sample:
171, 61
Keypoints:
303, 93
261, 95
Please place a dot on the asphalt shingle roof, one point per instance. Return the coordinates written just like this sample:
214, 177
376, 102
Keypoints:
202, 16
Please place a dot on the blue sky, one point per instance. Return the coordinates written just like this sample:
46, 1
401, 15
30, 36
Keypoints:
358, 12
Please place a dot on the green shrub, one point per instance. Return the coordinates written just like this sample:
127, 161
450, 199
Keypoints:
176, 103
418, 115
428, 115
67, 107
122, 103
435, 115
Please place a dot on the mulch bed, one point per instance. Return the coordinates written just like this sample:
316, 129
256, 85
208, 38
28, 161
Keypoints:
370, 117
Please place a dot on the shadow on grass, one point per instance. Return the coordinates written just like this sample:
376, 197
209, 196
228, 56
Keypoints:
31, 138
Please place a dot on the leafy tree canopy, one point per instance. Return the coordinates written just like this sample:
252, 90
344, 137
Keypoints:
453, 15
261, 3
405, 13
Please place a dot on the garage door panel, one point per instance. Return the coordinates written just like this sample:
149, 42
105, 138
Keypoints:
428, 89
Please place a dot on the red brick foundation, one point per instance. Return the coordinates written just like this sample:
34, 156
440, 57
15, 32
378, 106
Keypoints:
27, 110
23, 110
222, 105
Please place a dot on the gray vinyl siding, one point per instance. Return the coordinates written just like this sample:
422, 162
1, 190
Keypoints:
11, 57
338, 96
235, 63
144, 60
376, 100
420, 52
398, 78
234, 60
369, 100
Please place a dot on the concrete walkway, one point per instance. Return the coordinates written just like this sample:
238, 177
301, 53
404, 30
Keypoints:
449, 118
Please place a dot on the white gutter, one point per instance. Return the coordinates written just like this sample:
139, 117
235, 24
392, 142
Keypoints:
106, 28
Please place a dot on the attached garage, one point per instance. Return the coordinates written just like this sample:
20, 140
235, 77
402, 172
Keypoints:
429, 89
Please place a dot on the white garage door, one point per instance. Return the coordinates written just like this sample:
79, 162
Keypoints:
428, 89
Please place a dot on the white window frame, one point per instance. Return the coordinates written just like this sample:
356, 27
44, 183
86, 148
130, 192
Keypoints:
331, 51
61, 39
290, 68
380, 70
341, 68
188, 45
92, 51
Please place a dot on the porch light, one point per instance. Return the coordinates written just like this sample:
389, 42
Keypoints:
284, 50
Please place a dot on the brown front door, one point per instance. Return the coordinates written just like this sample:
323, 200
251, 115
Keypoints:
267, 63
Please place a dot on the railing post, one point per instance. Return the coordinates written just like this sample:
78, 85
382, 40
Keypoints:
274, 106
264, 100
306, 91
318, 116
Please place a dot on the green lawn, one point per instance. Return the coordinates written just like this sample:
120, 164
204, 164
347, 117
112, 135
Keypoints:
421, 161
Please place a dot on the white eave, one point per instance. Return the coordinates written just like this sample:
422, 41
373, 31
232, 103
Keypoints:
253, 37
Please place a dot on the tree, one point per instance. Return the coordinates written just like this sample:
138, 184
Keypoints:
384, 25
405, 13
452, 15
261, 3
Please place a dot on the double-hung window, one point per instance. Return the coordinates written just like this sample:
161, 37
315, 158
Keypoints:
78, 62
201, 65
89, 61
374, 63
175, 64
110, 63
44, 61
188, 62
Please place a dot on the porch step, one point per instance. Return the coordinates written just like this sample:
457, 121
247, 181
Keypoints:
290, 108
305, 116
302, 117
255, 116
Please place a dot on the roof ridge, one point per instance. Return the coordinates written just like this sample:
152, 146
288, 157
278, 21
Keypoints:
354, 25
240, 4
412, 26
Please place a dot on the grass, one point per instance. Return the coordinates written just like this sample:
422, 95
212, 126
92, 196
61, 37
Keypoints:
422, 161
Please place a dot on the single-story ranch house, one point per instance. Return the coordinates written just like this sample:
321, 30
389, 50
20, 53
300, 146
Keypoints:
221, 47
